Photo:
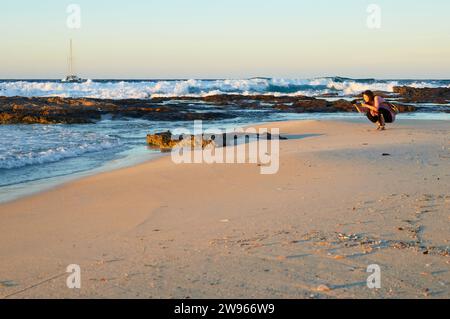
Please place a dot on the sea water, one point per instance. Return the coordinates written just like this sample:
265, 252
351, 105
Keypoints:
141, 89
35, 157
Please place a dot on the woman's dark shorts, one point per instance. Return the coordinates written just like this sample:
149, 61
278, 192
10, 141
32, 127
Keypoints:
386, 114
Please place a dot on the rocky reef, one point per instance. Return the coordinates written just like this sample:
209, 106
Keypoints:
14, 110
423, 95
166, 141
51, 110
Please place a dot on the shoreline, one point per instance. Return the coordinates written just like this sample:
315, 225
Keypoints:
49, 183
144, 231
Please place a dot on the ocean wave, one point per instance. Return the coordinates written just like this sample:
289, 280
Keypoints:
35, 146
174, 88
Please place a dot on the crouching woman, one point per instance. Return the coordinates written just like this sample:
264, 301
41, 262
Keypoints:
378, 111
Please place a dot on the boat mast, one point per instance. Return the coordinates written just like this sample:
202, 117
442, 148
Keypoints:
71, 59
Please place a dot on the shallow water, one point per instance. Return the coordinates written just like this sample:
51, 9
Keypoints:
34, 157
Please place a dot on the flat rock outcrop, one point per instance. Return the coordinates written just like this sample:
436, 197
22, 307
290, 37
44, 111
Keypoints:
15, 110
51, 110
423, 95
165, 141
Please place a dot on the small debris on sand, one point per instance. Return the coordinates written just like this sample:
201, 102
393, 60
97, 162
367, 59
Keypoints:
7, 283
323, 288
339, 257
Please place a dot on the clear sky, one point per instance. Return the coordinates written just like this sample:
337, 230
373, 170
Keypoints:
226, 38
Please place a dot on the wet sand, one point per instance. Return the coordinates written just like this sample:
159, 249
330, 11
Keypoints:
345, 197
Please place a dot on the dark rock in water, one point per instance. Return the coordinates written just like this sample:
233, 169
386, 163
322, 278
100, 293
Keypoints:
343, 105
306, 105
43, 111
166, 141
51, 110
240, 99
423, 95
324, 106
161, 140
383, 94
404, 108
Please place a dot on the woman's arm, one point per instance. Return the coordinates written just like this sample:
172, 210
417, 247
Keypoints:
357, 107
370, 107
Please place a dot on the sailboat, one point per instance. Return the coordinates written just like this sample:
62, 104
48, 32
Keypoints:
71, 77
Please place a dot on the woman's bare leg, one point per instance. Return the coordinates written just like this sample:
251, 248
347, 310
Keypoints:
382, 122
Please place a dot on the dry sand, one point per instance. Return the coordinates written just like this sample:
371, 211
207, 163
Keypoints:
160, 230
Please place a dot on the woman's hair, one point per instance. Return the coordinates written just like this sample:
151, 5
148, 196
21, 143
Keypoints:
370, 94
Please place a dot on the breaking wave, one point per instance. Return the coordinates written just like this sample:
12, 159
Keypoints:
127, 89
33, 145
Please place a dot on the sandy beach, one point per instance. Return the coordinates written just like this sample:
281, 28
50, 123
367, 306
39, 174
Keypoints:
345, 197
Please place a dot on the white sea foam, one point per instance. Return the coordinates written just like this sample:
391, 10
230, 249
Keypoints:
173, 88
21, 147
15, 160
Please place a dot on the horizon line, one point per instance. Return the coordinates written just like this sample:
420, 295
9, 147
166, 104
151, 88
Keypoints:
230, 78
